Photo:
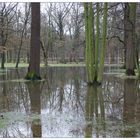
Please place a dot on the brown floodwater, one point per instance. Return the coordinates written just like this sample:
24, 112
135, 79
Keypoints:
62, 105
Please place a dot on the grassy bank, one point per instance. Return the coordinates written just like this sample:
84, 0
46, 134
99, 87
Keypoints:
12, 65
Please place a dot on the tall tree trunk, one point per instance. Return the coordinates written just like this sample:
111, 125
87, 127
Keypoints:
91, 46
130, 42
97, 41
87, 41
3, 60
137, 54
3, 44
2, 41
103, 46
126, 16
34, 64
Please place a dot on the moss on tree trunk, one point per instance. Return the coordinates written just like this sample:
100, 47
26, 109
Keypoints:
94, 73
103, 46
97, 42
87, 41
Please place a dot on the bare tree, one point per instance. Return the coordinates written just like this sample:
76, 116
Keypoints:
7, 14
23, 31
59, 14
75, 27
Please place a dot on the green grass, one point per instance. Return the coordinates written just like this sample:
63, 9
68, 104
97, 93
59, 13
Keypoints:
19, 80
67, 65
78, 64
81, 64
124, 76
12, 65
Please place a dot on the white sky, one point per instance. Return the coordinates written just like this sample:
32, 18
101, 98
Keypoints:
69, 0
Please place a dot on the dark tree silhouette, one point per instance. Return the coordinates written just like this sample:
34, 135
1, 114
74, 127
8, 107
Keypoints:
130, 38
34, 64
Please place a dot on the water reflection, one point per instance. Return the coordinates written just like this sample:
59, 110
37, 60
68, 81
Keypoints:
89, 111
130, 97
94, 111
34, 89
5, 100
61, 96
65, 106
129, 107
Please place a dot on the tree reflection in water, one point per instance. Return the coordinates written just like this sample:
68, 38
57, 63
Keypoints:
129, 107
94, 110
34, 88
5, 98
68, 107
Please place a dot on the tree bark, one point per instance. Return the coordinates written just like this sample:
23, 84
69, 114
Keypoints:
87, 41
2, 42
103, 46
97, 41
91, 45
130, 41
34, 64
126, 16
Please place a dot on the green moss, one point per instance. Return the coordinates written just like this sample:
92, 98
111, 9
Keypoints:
130, 72
32, 76
124, 76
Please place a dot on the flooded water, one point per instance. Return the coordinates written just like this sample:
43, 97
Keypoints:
63, 105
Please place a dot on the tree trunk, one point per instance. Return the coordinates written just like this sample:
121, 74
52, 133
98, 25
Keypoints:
2, 41
137, 55
91, 45
3, 60
3, 44
19, 50
126, 16
87, 41
97, 41
34, 64
130, 41
103, 46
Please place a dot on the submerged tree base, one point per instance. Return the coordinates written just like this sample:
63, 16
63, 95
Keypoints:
32, 76
123, 67
130, 72
94, 83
